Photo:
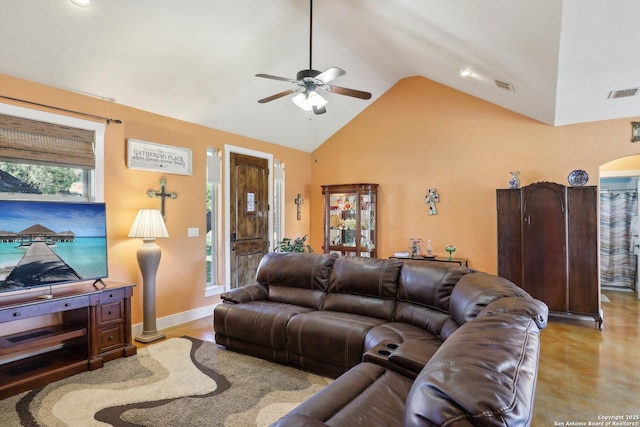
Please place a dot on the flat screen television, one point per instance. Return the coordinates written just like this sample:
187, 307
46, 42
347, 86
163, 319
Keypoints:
44, 243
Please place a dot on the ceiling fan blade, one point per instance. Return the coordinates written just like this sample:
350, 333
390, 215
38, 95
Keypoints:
349, 92
330, 74
283, 79
278, 95
320, 110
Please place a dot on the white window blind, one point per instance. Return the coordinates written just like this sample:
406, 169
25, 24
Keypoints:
214, 167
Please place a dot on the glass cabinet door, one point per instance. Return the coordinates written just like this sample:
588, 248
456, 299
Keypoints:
350, 218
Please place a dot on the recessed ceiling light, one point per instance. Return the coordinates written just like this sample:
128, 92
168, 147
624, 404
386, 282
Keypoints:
465, 72
82, 3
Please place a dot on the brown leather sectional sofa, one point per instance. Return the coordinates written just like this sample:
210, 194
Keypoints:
412, 343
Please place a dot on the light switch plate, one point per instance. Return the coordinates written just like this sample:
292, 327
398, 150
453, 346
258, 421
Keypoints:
193, 232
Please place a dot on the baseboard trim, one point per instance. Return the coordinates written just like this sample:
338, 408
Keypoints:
177, 319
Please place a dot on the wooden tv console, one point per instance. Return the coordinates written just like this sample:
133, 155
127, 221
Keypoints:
94, 327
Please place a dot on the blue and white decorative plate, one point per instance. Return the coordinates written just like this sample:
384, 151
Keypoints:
578, 178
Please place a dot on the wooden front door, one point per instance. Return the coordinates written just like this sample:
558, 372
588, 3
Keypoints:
249, 216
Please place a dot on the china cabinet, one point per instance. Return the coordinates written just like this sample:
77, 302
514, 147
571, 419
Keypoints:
548, 245
350, 219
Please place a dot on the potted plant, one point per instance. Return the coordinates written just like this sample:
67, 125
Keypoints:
296, 245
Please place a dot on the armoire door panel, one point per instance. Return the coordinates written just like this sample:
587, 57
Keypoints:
582, 219
544, 244
509, 235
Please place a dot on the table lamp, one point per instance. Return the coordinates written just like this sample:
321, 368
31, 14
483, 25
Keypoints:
149, 225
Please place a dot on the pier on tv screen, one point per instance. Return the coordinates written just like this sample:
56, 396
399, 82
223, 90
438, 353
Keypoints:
47, 243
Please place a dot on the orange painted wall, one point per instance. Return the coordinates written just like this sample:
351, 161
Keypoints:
421, 134
181, 275
626, 165
418, 135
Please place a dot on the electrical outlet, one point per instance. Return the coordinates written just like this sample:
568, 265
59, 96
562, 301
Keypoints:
193, 232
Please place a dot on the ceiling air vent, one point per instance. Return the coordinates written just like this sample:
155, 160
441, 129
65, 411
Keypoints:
505, 86
622, 93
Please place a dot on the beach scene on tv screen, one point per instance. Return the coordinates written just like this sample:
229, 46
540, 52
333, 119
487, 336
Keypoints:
43, 243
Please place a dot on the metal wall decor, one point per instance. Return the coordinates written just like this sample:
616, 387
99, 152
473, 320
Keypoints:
299, 202
431, 199
162, 195
635, 131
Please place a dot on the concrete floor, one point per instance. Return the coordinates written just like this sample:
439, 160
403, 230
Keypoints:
585, 374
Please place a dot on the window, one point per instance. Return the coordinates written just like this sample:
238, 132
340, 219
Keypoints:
212, 219
278, 202
39, 181
47, 156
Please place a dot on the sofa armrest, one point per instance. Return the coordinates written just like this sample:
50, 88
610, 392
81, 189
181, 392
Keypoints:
528, 307
246, 293
477, 290
410, 355
484, 374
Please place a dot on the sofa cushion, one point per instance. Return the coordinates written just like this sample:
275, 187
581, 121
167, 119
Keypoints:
432, 320
260, 322
332, 341
365, 396
475, 291
296, 278
484, 374
365, 286
429, 283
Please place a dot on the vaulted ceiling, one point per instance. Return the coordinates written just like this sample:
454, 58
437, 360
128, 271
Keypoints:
555, 61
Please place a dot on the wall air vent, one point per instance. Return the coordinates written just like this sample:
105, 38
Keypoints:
505, 86
622, 93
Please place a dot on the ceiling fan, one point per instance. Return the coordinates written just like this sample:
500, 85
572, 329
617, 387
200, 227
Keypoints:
308, 81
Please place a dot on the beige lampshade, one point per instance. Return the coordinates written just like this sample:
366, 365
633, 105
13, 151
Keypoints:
148, 224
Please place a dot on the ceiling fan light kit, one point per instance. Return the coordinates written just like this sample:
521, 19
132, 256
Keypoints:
308, 100
310, 80
82, 3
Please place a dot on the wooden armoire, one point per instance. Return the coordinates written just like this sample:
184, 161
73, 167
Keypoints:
548, 245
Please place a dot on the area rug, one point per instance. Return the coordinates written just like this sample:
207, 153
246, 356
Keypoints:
178, 382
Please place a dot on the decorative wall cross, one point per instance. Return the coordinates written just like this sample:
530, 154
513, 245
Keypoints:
299, 202
431, 199
162, 194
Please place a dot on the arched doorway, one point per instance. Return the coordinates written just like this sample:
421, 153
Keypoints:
619, 224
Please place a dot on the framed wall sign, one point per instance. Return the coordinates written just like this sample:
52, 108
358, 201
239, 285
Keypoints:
149, 156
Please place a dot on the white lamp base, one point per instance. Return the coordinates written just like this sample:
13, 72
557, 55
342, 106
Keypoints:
149, 259
150, 337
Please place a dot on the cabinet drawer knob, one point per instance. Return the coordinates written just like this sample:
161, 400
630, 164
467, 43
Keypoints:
110, 312
111, 338
67, 304
110, 295
16, 314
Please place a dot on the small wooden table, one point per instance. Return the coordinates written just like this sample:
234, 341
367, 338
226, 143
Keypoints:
463, 262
